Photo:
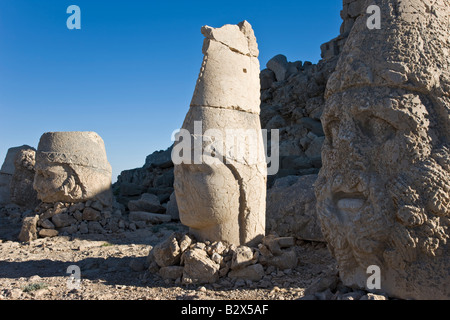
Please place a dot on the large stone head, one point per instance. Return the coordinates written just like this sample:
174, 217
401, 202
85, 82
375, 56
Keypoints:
221, 193
383, 191
72, 167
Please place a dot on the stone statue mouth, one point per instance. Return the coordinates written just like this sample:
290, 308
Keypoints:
349, 204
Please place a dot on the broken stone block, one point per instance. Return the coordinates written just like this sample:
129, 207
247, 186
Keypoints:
167, 253
199, 268
29, 232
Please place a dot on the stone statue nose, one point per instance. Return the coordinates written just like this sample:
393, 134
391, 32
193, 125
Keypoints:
347, 132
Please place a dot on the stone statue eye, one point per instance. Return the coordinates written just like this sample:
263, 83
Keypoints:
376, 128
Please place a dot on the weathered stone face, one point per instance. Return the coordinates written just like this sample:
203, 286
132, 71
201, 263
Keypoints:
21, 187
72, 167
221, 194
383, 191
7, 172
212, 211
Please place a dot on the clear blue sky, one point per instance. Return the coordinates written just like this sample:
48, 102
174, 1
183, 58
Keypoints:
130, 72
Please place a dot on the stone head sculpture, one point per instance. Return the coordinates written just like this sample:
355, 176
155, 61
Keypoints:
220, 190
21, 186
72, 167
384, 189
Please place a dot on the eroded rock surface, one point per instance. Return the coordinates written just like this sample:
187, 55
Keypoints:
383, 191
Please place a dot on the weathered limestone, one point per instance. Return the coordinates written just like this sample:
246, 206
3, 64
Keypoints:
181, 258
72, 167
28, 232
383, 191
291, 208
220, 186
21, 187
6, 173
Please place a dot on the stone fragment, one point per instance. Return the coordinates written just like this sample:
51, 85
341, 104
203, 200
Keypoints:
97, 205
93, 227
29, 232
148, 203
243, 256
47, 224
267, 77
137, 265
61, 220
199, 268
77, 207
78, 215
185, 242
48, 233
84, 228
172, 207
171, 272
91, 214
72, 167
279, 65
167, 253
149, 217
253, 272
286, 260
276, 244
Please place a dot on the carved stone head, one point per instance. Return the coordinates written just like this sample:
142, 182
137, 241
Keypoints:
221, 193
383, 193
72, 167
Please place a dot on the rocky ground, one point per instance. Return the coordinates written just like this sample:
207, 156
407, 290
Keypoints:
112, 267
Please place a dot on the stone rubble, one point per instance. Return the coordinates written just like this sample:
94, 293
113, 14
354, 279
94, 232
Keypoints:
89, 217
186, 261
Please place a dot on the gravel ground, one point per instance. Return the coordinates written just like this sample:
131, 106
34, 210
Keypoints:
111, 269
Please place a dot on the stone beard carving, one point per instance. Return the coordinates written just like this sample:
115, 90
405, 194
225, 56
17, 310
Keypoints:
383, 193
224, 199
72, 167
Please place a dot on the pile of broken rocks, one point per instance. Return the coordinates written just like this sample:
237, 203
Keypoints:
182, 260
59, 218
185, 261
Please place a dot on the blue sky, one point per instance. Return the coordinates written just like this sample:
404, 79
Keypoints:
130, 72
